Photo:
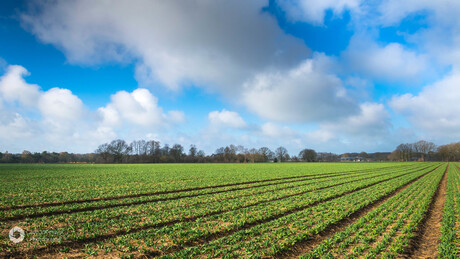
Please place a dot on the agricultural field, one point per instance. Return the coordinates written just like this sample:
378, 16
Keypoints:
270, 210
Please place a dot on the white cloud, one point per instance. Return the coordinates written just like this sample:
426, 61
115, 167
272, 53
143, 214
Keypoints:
231, 47
303, 94
236, 49
57, 120
109, 116
14, 126
176, 116
389, 62
436, 31
55, 104
434, 110
66, 124
59, 104
209, 43
13, 87
314, 11
369, 130
373, 121
270, 129
139, 107
53, 118
226, 118
393, 11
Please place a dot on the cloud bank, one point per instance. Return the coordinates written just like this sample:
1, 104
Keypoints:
241, 52
56, 119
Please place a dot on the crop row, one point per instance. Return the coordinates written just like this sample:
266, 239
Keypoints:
273, 237
386, 230
34, 184
210, 226
177, 222
164, 210
448, 248
97, 227
92, 205
34, 212
183, 200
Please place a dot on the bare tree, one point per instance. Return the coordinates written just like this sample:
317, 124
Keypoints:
192, 153
177, 151
266, 153
118, 149
138, 147
405, 151
450, 152
281, 153
424, 148
104, 152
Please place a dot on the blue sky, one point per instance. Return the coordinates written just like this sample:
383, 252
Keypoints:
339, 76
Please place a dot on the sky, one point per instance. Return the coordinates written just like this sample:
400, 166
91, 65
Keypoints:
334, 75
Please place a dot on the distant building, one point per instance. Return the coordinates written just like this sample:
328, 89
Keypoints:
352, 158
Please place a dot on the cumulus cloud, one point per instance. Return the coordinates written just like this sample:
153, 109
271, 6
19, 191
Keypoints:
389, 62
13, 87
52, 117
393, 11
436, 33
139, 107
55, 104
60, 105
15, 126
373, 121
370, 130
226, 118
109, 116
57, 119
271, 129
302, 94
209, 43
238, 50
176, 117
435, 109
314, 11
243, 54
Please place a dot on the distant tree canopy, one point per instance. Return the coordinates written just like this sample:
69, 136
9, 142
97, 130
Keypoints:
308, 155
449, 152
240, 154
141, 151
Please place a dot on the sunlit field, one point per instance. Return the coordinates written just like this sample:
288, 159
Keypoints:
226, 210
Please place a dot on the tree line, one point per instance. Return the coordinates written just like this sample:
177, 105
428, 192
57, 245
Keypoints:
426, 151
142, 151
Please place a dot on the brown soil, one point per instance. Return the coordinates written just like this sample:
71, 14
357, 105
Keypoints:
427, 239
